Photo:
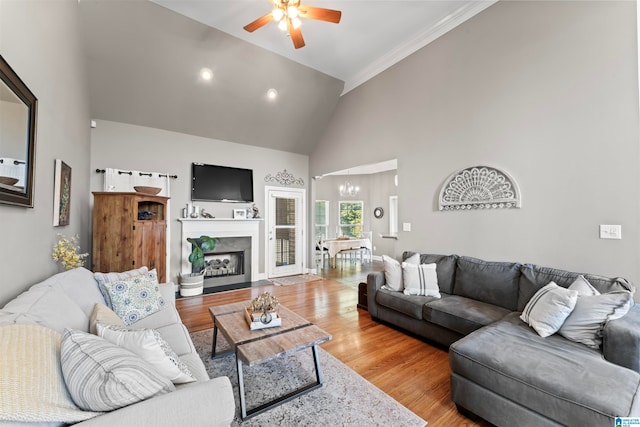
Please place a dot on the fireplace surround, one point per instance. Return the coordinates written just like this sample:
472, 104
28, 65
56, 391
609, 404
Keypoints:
231, 232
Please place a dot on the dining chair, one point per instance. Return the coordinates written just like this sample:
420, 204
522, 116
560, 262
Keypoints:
364, 249
321, 251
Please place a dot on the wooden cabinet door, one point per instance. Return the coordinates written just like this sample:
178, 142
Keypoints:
112, 234
150, 244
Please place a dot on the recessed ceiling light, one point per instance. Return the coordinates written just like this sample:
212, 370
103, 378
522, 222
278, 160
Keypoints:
206, 74
272, 94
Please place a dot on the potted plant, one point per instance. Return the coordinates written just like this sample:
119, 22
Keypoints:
193, 283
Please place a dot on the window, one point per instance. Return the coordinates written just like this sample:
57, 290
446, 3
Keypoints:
322, 219
393, 215
350, 217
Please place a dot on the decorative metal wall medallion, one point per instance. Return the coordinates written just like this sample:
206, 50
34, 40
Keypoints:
479, 187
284, 178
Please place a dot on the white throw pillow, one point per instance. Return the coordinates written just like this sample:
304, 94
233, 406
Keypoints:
591, 314
583, 287
547, 310
150, 346
420, 279
393, 271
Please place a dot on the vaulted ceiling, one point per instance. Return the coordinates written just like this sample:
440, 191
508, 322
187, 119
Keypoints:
143, 62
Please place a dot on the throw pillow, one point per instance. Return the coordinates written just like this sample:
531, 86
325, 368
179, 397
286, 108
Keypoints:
547, 310
583, 287
151, 347
393, 271
136, 297
591, 314
104, 278
101, 376
31, 382
103, 314
420, 279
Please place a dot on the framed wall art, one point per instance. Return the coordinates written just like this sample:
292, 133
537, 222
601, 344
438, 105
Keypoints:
61, 194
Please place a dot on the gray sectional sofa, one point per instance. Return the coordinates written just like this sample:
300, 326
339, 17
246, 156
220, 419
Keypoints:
66, 300
502, 370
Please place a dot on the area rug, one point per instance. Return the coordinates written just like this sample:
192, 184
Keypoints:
345, 399
294, 280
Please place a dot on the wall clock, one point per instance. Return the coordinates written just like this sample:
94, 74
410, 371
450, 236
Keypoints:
378, 212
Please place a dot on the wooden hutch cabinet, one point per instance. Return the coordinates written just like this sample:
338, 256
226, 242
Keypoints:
129, 231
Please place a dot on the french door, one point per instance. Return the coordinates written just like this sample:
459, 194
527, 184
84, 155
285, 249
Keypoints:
285, 231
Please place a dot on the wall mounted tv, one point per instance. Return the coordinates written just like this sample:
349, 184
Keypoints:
221, 183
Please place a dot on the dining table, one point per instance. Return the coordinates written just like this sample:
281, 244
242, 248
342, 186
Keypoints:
335, 246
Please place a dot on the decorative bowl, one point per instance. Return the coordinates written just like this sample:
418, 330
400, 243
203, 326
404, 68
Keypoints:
7, 180
147, 190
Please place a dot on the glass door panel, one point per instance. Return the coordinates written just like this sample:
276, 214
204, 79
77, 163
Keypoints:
285, 233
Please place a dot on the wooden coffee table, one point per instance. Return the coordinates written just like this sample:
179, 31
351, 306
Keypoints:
252, 347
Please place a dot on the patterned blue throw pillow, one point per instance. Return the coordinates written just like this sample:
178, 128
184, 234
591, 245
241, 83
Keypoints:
136, 297
104, 278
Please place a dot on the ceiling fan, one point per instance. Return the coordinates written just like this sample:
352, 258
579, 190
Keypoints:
287, 14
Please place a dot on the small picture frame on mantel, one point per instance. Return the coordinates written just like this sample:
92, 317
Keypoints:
239, 214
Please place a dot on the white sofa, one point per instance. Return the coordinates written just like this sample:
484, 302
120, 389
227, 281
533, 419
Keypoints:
66, 300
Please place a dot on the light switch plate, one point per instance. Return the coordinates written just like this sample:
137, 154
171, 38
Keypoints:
608, 231
406, 226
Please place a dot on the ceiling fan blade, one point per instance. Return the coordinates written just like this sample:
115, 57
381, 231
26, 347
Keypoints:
258, 23
296, 35
320, 14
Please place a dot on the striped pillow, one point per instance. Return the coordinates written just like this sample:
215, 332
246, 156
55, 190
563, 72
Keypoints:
420, 279
548, 308
101, 376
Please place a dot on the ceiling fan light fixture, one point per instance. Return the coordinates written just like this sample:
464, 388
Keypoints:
292, 12
277, 14
287, 14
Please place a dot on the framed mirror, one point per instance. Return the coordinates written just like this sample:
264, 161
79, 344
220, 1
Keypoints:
18, 112
378, 212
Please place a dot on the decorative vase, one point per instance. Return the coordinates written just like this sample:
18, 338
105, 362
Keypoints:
191, 284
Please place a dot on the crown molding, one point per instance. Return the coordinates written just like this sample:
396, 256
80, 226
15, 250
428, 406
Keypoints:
419, 41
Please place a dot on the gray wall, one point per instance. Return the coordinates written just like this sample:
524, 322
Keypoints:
40, 40
124, 146
548, 91
375, 190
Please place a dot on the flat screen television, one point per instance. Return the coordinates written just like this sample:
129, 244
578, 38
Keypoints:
221, 183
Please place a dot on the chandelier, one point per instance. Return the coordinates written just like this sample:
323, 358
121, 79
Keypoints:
348, 189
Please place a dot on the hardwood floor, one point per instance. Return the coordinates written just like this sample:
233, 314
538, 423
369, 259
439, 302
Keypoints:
408, 369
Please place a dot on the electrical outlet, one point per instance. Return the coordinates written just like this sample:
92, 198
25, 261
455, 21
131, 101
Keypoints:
610, 231
406, 226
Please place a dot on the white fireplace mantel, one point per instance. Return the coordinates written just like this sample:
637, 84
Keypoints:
220, 227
